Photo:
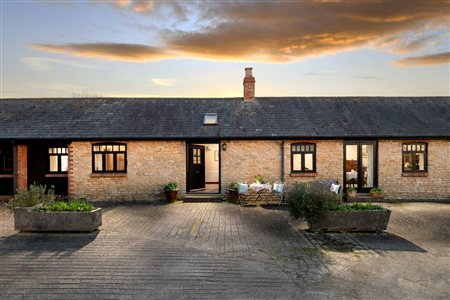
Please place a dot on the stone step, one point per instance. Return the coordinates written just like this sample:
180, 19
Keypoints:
363, 197
204, 198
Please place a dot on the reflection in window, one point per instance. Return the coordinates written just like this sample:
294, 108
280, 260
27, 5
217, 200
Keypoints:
415, 157
303, 157
109, 158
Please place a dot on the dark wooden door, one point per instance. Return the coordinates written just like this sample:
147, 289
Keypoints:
196, 167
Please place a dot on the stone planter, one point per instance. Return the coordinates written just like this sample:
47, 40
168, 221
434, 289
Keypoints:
29, 219
351, 194
171, 196
367, 220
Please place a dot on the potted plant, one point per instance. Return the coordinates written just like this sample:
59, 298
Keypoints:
171, 190
351, 192
233, 189
320, 208
376, 192
36, 209
259, 179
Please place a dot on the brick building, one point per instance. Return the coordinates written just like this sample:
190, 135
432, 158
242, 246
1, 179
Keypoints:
127, 149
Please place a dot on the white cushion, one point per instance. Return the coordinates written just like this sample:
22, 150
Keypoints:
243, 188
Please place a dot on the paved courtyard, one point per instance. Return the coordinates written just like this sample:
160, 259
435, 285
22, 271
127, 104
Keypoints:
224, 251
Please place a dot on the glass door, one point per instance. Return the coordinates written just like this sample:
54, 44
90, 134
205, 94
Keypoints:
360, 165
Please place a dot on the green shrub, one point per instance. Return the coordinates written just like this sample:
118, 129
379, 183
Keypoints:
73, 206
34, 195
234, 186
351, 189
358, 206
171, 186
310, 201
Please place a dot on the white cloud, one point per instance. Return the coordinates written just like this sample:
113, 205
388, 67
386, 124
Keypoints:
45, 63
163, 81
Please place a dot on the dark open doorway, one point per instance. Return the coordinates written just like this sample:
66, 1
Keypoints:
203, 167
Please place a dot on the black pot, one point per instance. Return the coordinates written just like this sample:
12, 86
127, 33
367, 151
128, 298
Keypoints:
171, 196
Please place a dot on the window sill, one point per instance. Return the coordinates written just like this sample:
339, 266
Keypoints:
102, 175
56, 175
312, 174
6, 175
415, 174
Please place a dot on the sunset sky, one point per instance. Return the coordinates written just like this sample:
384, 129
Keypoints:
129, 48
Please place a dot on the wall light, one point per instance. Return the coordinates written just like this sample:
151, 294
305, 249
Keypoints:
224, 146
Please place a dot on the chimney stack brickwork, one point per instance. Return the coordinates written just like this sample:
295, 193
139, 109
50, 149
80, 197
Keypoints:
249, 85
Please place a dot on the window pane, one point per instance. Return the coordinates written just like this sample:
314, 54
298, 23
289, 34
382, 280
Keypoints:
367, 152
420, 162
407, 161
108, 147
296, 162
308, 162
122, 147
103, 148
115, 147
405, 148
98, 163
64, 163
50, 150
302, 148
120, 162
109, 162
96, 148
53, 163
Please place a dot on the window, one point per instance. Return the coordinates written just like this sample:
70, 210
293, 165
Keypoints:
303, 157
58, 160
109, 158
6, 159
415, 157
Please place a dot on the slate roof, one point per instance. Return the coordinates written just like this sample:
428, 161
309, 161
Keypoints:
318, 117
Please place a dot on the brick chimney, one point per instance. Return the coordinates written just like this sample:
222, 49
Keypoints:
249, 85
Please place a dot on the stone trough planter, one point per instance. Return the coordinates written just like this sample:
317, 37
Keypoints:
368, 220
30, 219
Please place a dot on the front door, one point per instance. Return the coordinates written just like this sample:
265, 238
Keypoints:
196, 167
360, 165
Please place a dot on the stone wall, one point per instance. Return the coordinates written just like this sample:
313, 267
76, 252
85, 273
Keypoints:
151, 165
435, 184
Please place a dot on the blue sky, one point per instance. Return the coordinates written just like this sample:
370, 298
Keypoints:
200, 49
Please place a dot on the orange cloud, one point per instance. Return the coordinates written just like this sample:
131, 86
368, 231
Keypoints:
111, 51
278, 31
425, 60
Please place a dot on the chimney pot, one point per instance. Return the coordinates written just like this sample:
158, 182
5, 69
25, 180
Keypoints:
249, 85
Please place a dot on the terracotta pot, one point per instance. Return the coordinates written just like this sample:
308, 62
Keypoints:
171, 196
375, 195
234, 196
351, 194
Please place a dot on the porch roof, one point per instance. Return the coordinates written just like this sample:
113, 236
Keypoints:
263, 118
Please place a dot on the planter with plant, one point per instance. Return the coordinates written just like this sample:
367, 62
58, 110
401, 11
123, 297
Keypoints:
259, 179
351, 192
233, 189
320, 208
171, 191
376, 192
36, 209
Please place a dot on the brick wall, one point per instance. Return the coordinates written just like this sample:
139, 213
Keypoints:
243, 160
436, 183
22, 167
151, 165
